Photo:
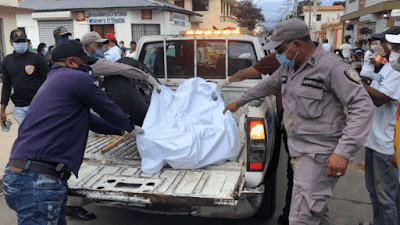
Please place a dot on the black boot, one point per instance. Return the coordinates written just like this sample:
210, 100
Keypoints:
80, 213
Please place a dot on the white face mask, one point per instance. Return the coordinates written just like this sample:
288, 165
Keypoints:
45, 50
394, 60
121, 45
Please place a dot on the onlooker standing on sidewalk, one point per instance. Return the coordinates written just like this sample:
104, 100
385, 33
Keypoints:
131, 53
24, 72
326, 46
346, 50
122, 47
368, 68
52, 140
113, 53
381, 183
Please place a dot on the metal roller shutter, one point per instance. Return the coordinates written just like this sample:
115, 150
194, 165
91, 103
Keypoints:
46, 30
140, 30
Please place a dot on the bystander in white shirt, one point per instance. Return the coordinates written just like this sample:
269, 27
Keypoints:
113, 54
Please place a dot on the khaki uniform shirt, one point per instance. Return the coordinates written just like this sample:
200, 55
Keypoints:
314, 97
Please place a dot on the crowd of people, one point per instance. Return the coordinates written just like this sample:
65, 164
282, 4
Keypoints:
53, 92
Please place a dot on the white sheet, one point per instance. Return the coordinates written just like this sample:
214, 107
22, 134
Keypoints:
186, 129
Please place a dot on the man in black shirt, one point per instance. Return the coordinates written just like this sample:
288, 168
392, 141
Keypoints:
24, 71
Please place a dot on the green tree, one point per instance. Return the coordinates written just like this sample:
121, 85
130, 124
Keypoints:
248, 14
340, 3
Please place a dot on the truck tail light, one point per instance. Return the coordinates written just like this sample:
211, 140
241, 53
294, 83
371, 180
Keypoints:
256, 144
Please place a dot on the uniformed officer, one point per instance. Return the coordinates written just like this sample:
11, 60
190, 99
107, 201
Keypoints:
315, 87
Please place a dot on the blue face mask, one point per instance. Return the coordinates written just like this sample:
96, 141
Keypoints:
285, 61
20, 48
59, 40
98, 53
373, 47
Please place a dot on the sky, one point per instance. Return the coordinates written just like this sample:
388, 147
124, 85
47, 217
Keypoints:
274, 10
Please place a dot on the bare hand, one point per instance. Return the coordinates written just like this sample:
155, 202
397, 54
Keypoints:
233, 107
336, 165
3, 118
393, 162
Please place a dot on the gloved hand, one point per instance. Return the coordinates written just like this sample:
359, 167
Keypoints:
222, 84
135, 132
154, 82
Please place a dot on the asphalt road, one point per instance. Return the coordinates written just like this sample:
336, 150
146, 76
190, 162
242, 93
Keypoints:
350, 205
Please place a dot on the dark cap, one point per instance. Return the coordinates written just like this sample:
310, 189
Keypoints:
70, 48
286, 31
393, 35
60, 31
18, 36
389, 30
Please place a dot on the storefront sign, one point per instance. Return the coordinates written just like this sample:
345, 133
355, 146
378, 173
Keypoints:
106, 17
80, 16
147, 15
177, 19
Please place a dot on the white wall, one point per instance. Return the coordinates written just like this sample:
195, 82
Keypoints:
369, 3
13, 3
326, 17
31, 28
351, 7
123, 31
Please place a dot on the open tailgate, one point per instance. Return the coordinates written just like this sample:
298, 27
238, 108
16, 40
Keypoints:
111, 171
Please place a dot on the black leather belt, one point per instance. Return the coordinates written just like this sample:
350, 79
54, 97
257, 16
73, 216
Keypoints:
60, 171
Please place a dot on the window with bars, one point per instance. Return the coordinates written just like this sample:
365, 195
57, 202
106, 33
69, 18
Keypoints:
180, 3
140, 30
318, 17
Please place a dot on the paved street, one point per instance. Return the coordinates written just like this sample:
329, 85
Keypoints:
350, 204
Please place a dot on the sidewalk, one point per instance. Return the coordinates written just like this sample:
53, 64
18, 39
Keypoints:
7, 140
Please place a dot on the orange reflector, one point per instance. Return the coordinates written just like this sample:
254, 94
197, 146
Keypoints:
198, 32
257, 129
189, 32
226, 32
236, 32
207, 32
255, 166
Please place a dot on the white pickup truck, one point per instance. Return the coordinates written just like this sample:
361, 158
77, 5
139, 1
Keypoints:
111, 174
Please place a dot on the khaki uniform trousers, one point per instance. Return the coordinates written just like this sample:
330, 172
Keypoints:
312, 189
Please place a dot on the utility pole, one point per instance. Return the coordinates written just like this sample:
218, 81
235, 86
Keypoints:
295, 9
309, 17
288, 5
314, 29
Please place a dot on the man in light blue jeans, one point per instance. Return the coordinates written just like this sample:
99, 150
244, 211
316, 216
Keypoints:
380, 182
20, 113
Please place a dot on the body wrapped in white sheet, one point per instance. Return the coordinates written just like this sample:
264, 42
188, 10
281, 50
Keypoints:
186, 129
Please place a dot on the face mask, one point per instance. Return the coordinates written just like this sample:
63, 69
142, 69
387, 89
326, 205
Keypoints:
83, 68
31, 46
121, 45
45, 50
373, 47
394, 62
285, 61
59, 40
98, 53
20, 48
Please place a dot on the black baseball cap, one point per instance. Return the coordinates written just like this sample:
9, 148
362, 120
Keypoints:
70, 48
18, 36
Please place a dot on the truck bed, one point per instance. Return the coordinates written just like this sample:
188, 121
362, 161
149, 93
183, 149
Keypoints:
114, 174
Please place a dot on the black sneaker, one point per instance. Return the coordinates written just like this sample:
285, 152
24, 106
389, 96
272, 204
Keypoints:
80, 213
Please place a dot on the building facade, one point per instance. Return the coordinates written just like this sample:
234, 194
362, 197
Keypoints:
325, 15
216, 13
364, 17
127, 20
8, 21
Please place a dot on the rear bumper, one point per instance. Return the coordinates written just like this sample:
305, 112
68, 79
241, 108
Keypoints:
246, 206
